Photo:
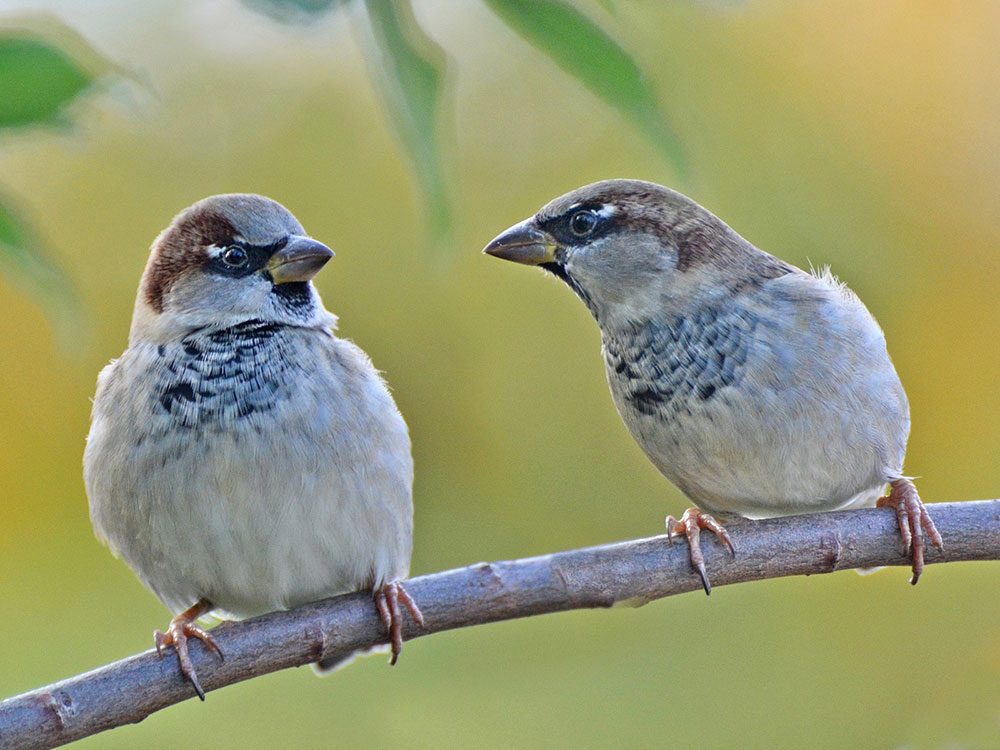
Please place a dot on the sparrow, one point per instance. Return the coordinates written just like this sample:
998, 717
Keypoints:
242, 458
758, 389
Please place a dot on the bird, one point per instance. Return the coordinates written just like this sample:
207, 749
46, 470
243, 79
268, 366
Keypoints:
757, 388
241, 457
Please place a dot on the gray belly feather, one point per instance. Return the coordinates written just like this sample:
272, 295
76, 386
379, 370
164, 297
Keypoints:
258, 466
750, 410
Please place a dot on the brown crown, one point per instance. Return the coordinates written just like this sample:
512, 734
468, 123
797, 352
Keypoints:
180, 250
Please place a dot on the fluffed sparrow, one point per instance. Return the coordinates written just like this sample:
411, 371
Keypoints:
241, 457
758, 389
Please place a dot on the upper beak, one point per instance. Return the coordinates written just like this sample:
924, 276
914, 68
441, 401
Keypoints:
299, 260
524, 243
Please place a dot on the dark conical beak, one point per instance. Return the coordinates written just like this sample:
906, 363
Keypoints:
524, 243
299, 260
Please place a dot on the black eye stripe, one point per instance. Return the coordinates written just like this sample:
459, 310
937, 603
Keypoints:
257, 257
561, 227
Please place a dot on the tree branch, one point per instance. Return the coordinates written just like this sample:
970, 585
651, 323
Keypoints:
129, 690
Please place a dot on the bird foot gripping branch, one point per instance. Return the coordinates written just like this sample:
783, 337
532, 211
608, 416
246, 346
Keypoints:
913, 520
180, 629
690, 525
387, 600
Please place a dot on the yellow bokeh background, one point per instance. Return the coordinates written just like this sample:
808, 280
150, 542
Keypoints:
856, 134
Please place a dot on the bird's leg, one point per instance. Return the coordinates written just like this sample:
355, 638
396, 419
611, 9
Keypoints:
692, 522
387, 599
179, 630
913, 520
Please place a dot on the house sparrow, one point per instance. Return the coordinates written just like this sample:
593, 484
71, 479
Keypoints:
758, 389
241, 457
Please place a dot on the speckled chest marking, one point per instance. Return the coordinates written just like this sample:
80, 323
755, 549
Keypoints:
222, 376
661, 367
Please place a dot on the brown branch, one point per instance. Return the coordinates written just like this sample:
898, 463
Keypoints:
130, 690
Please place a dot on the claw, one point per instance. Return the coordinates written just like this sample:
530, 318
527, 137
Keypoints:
387, 600
180, 629
913, 521
690, 524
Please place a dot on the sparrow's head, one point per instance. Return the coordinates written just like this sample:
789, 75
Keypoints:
631, 249
228, 259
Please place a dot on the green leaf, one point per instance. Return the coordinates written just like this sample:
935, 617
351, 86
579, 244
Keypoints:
409, 68
37, 81
24, 262
581, 48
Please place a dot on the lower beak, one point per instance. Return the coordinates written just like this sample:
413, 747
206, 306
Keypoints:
524, 243
299, 260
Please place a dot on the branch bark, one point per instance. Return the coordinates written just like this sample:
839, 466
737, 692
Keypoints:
129, 690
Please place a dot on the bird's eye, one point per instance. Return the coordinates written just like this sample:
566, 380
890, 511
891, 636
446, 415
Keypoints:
235, 256
582, 222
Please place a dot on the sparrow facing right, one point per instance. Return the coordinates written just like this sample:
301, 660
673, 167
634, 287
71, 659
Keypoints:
758, 389
241, 457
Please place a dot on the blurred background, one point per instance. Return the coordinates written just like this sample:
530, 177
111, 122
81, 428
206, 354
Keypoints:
862, 135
